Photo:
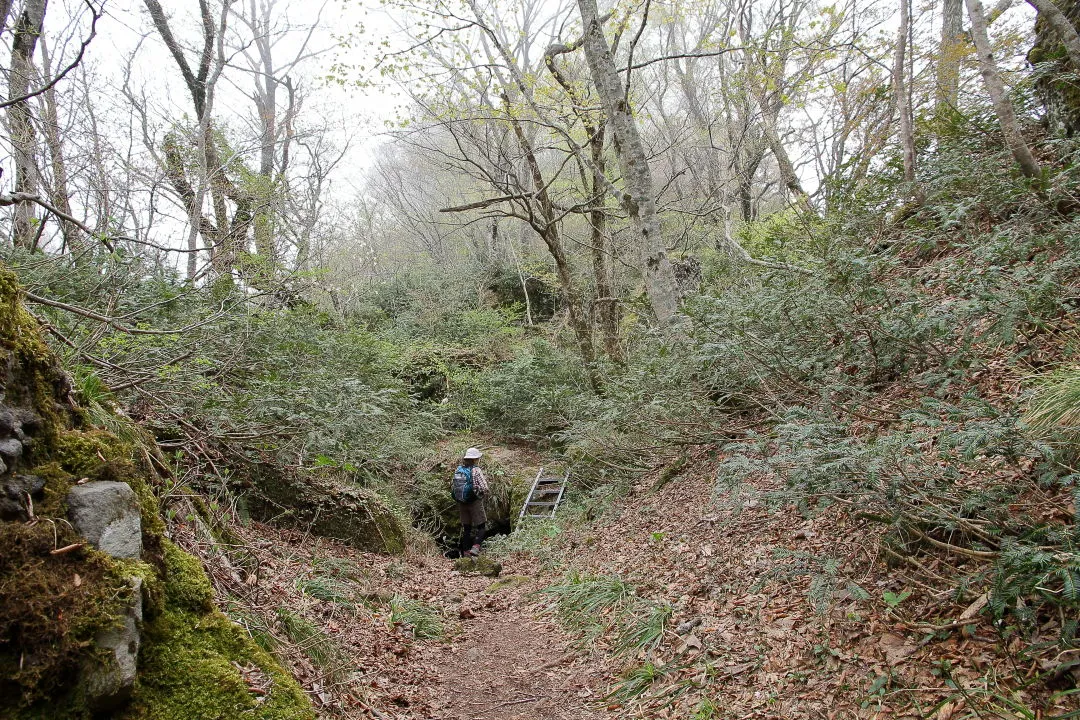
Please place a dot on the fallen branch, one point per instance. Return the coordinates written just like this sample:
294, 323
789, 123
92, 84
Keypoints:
113, 322
552, 663
15, 198
967, 552
66, 549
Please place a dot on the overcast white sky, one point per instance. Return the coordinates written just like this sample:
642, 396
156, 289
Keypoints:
356, 114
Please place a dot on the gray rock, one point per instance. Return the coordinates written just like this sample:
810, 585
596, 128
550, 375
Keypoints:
107, 514
108, 678
18, 422
13, 493
3, 467
11, 450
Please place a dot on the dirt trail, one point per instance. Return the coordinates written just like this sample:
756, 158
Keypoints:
508, 662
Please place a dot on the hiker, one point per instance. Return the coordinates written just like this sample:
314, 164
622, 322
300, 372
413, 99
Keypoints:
469, 487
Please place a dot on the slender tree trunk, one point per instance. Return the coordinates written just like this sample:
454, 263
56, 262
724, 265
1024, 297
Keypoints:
1010, 127
266, 103
28, 27
947, 93
5, 10
903, 101
638, 198
548, 228
608, 312
58, 192
602, 262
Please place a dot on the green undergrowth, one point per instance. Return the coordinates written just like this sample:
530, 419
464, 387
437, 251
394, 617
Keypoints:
54, 604
421, 619
597, 605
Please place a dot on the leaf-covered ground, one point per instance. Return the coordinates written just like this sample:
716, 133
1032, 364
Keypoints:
705, 604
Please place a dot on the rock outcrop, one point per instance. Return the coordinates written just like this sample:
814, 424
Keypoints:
1054, 74
329, 508
109, 680
107, 514
100, 615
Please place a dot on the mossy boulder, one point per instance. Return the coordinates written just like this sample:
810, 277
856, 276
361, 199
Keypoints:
1054, 78
61, 601
482, 565
329, 507
197, 664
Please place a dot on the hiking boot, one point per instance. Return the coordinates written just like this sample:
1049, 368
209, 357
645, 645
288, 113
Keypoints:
474, 551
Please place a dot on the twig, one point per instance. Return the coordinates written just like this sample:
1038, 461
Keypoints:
977, 554
66, 549
552, 663
114, 323
21, 197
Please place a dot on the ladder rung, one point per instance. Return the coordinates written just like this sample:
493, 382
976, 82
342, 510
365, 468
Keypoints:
545, 496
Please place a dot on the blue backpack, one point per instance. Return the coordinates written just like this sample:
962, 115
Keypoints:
461, 487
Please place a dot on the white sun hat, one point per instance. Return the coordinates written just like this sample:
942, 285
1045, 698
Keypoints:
473, 454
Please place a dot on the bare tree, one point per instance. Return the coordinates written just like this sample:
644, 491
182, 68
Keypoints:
995, 88
226, 235
639, 194
902, 100
28, 28
276, 125
59, 191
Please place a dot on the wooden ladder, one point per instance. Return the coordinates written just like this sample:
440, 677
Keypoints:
544, 496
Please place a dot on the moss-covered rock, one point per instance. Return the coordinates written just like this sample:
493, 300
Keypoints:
198, 665
482, 565
329, 508
58, 597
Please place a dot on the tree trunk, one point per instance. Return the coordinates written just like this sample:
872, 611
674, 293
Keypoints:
28, 27
547, 227
903, 101
266, 103
1061, 26
638, 198
608, 310
947, 93
226, 237
5, 10
58, 192
1010, 127
788, 176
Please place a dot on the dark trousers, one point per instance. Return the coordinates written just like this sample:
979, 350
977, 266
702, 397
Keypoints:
473, 521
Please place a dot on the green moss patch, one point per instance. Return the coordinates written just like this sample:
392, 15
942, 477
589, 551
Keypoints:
186, 585
51, 608
194, 663
198, 665
482, 565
